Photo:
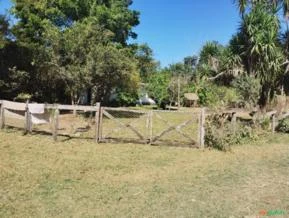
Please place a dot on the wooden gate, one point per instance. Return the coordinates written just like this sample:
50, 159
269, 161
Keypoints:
154, 127
123, 125
175, 128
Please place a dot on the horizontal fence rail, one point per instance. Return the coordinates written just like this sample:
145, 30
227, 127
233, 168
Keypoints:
107, 124
54, 119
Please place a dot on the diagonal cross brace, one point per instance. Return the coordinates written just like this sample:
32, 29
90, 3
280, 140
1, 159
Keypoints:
124, 125
177, 128
119, 128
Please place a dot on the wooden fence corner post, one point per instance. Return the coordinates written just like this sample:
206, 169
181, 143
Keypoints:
2, 115
27, 119
56, 123
97, 118
202, 128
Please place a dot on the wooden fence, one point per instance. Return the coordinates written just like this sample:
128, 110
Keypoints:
139, 125
154, 127
54, 110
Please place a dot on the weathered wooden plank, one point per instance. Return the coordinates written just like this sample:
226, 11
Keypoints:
234, 122
123, 125
125, 110
71, 107
97, 114
177, 129
167, 130
2, 116
55, 124
120, 128
174, 127
176, 112
202, 128
27, 119
273, 123
100, 123
151, 115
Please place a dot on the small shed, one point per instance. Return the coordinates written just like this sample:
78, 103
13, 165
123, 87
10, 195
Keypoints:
191, 99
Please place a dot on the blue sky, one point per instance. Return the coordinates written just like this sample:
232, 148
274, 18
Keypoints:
178, 28
4, 6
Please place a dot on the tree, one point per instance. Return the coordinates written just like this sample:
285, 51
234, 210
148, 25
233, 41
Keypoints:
4, 30
274, 5
112, 70
145, 61
191, 61
71, 43
218, 61
258, 47
209, 52
113, 15
158, 88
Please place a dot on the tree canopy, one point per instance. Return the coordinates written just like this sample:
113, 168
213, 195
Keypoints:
59, 50
69, 47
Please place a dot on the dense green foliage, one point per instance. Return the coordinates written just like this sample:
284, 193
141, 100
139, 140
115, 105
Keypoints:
223, 135
59, 51
283, 126
248, 88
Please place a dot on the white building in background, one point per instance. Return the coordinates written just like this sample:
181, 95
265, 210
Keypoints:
146, 100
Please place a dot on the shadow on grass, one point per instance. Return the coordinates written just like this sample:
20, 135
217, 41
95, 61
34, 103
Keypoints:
168, 143
111, 140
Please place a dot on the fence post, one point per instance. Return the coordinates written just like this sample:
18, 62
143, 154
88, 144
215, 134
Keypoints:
30, 122
202, 128
151, 127
27, 125
97, 116
2, 116
234, 121
273, 123
74, 109
100, 123
56, 123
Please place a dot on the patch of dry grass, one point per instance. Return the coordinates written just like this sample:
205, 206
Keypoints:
78, 178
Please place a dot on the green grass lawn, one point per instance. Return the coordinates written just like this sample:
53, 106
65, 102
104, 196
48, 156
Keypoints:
78, 178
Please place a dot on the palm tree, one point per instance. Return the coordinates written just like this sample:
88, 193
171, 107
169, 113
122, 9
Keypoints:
275, 5
259, 49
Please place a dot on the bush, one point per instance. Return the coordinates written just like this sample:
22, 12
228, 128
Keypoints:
223, 137
22, 97
218, 96
123, 98
265, 123
249, 89
283, 126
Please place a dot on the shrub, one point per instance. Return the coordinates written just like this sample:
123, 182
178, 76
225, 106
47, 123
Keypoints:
218, 96
249, 89
123, 98
222, 137
283, 126
22, 97
265, 123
